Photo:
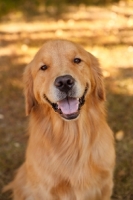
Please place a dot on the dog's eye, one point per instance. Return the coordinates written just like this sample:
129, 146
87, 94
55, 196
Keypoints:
77, 60
43, 67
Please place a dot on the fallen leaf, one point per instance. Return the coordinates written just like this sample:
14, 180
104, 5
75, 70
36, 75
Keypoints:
119, 135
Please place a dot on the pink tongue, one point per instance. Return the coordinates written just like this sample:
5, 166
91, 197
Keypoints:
68, 106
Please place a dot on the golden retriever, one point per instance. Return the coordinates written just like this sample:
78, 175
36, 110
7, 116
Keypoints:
70, 154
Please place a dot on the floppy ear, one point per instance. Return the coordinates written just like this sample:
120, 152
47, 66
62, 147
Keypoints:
99, 90
28, 90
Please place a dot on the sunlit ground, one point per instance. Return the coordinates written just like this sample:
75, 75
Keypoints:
105, 32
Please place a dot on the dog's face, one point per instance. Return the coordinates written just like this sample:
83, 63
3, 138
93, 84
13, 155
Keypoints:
62, 75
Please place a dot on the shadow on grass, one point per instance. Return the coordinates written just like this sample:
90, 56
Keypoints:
120, 118
12, 120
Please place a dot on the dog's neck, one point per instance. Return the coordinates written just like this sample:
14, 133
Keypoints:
57, 130
65, 142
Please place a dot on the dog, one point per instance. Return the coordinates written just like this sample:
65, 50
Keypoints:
70, 154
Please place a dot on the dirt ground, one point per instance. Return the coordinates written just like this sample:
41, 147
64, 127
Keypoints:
107, 32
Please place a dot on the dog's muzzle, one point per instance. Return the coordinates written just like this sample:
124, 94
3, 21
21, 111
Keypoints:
68, 107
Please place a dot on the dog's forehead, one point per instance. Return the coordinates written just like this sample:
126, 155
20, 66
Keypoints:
59, 47
61, 44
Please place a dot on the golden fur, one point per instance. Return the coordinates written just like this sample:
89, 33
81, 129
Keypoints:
65, 159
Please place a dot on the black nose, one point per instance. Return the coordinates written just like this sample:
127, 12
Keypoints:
64, 83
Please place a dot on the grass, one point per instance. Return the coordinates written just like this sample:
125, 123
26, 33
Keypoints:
35, 7
105, 32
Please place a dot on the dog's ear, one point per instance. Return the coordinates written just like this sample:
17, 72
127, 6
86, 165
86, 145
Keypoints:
99, 90
28, 90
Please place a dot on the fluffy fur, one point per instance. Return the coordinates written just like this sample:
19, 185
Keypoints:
65, 159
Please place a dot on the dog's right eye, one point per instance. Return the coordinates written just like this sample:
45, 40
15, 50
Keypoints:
77, 60
43, 67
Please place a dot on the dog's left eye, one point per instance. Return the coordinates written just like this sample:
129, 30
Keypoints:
77, 60
43, 67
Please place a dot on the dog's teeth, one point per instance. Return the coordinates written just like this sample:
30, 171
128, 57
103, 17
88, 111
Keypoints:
57, 105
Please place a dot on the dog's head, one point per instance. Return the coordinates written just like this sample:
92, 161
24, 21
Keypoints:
62, 75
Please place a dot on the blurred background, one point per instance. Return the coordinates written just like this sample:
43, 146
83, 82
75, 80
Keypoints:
103, 27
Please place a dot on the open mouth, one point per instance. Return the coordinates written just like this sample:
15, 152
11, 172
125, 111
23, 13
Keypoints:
69, 107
